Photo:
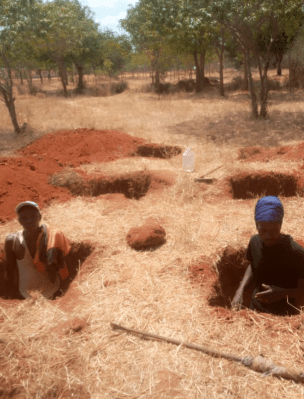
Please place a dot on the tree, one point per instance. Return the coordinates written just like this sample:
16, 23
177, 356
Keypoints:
221, 38
146, 37
116, 51
17, 20
67, 33
257, 26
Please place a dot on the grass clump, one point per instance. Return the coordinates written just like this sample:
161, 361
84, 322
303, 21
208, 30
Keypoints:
71, 180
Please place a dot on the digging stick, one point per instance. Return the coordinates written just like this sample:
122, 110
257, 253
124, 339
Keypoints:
258, 363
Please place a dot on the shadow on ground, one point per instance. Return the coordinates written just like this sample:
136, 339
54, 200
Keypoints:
240, 129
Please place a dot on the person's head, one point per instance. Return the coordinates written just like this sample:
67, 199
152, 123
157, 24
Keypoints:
269, 213
29, 215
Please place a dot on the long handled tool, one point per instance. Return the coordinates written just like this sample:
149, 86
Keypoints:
258, 363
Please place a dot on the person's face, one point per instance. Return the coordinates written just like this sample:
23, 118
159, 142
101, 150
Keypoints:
269, 232
29, 218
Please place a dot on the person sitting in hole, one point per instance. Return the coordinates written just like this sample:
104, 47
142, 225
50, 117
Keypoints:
35, 256
276, 264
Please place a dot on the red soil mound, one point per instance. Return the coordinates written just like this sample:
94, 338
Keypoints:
80, 146
26, 178
286, 153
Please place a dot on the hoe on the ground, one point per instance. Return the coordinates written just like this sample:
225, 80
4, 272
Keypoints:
257, 363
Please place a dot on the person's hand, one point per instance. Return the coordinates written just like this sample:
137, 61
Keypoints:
237, 301
271, 294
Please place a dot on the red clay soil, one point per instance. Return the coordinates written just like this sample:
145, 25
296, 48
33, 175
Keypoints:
81, 146
260, 154
23, 179
202, 273
26, 177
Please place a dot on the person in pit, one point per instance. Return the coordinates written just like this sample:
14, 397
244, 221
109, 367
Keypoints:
35, 256
276, 264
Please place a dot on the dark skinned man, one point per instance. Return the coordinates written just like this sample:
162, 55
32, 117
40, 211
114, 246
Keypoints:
276, 263
35, 256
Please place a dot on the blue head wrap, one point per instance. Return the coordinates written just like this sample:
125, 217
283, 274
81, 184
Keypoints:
269, 209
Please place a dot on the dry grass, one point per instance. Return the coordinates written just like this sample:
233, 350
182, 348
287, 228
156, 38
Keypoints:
42, 356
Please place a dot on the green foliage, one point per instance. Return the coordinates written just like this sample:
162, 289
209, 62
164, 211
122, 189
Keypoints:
116, 51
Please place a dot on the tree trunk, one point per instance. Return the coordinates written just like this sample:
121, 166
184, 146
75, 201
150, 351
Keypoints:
221, 58
29, 80
49, 76
21, 75
40, 75
202, 67
7, 92
80, 86
157, 79
264, 92
10, 103
279, 58
198, 87
245, 71
62, 75
254, 104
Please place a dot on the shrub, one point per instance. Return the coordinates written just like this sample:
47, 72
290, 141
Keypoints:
296, 75
274, 84
237, 83
22, 89
165, 88
102, 90
120, 87
147, 88
186, 85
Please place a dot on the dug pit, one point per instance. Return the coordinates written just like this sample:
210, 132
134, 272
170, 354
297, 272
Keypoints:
79, 252
157, 151
133, 185
251, 185
221, 278
231, 268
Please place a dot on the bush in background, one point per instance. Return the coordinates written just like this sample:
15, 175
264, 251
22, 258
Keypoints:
120, 87
237, 83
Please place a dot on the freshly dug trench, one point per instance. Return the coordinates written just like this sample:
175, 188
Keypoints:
133, 185
251, 185
231, 268
78, 254
157, 151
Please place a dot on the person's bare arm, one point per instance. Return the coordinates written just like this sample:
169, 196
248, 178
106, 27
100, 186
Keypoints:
238, 297
10, 270
273, 293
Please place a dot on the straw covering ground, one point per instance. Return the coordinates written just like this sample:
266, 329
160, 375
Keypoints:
66, 348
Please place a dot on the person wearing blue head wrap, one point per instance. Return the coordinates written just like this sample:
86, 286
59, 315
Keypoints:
276, 263
269, 209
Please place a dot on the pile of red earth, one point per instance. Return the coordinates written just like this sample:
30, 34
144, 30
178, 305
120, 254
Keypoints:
287, 153
82, 146
26, 178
